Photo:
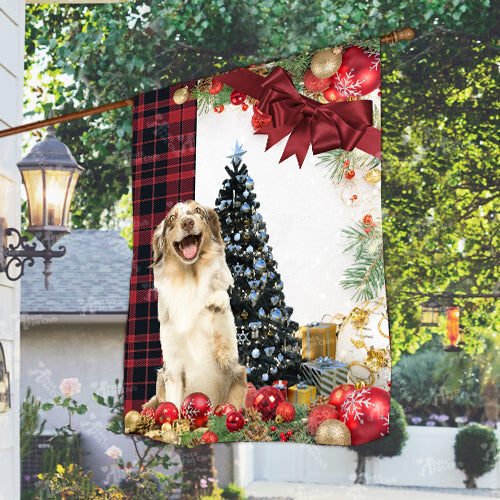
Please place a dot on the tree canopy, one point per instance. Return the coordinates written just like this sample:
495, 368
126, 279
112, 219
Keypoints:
439, 129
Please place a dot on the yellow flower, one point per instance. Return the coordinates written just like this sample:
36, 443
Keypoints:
60, 469
40, 476
70, 468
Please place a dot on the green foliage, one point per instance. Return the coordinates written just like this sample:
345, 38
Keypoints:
476, 451
233, 492
436, 382
30, 424
392, 444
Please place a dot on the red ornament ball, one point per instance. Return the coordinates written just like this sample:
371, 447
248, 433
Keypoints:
318, 415
315, 84
349, 174
223, 409
331, 94
197, 408
366, 413
210, 437
258, 121
282, 434
286, 410
244, 107
237, 98
266, 401
148, 412
166, 412
235, 421
338, 395
359, 73
273, 428
367, 230
289, 433
217, 86
219, 109
367, 219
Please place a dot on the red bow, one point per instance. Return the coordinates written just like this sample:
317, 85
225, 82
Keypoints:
330, 126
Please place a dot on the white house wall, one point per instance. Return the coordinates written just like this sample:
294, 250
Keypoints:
11, 88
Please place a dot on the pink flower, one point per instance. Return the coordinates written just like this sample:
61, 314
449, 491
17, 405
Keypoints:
70, 386
114, 452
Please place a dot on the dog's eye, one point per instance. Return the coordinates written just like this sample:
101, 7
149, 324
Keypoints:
171, 218
198, 210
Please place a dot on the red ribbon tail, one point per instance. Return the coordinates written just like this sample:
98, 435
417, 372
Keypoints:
371, 142
298, 142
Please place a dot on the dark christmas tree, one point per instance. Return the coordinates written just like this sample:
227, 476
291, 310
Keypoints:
266, 341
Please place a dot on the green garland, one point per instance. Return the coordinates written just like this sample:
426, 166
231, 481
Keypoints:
207, 101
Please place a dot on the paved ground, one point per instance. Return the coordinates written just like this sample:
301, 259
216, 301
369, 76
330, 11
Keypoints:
300, 491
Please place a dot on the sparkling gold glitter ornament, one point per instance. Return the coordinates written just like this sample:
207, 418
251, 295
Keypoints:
170, 436
166, 427
359, 317
325, 63
333, 431
377, 358
181, 95
131, 419
373, 176
154, 434
181, 425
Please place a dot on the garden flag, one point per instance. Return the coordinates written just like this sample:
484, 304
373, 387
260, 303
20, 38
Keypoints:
257, 297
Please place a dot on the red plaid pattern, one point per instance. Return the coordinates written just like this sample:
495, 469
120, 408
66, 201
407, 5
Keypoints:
163, 173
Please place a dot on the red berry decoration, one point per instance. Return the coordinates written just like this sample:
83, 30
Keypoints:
315, 84
166, 412
244, 107
289, 433
210, 437
224, 409
273, 428
148, 412
235, 421
338, 395
284, 438
286, 410
217, 86
366, 413
349, 174
359, 73
367, 219
258, 121
282, 434
331, 94
197, 408
266, 401
237, 98
367, 230
318, 415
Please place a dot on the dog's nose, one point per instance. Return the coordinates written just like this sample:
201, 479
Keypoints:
187, 224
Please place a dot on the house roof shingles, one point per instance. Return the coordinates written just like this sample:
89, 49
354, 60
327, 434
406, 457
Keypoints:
92, 278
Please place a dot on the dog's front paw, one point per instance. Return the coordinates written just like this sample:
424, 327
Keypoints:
218, 301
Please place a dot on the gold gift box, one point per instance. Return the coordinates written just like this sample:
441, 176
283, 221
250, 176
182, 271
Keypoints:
318, 339
301, 396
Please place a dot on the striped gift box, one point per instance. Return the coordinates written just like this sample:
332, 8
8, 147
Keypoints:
325, 374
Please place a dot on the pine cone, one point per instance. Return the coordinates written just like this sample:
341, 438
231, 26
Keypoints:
146, 424
252, 415
319, 400
205, 84
259, 70
251, 100
258, 433
196, 441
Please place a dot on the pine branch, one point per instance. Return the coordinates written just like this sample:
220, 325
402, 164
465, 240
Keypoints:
296, 67
334, 161
366, 277
207, 101
370, 44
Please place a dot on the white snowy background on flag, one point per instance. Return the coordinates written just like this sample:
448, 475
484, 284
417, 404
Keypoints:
303, 210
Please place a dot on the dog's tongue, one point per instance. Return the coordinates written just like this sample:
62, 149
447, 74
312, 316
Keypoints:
188, 247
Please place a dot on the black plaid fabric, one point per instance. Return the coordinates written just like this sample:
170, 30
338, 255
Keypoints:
163, 173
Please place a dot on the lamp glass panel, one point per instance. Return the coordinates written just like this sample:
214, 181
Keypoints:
34, 191
71, 192
55, 193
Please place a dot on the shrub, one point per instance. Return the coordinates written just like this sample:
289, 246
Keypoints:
476, 452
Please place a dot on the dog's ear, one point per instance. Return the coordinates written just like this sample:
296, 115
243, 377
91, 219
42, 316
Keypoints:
214, 223
157, 243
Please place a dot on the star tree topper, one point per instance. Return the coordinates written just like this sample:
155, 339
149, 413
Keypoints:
237, 153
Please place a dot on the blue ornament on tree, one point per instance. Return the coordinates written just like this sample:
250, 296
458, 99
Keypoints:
263, 280
248, 273
275, 300
254, 284
227, 239
261, 313
269, 351
254, 297
273, 370
280, 357
229, 220
237, 237
265, 377
246, 207
259, 265
249, 249
265, 249
279, 285
255, 353
245, 194
271, 275
276, 314
249, 184
254, 325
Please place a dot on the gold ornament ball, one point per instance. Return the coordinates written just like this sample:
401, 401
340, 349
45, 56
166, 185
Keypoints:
131, 419
166, 427
373, 176
333, 432
181, 95
170, 436
325, 63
